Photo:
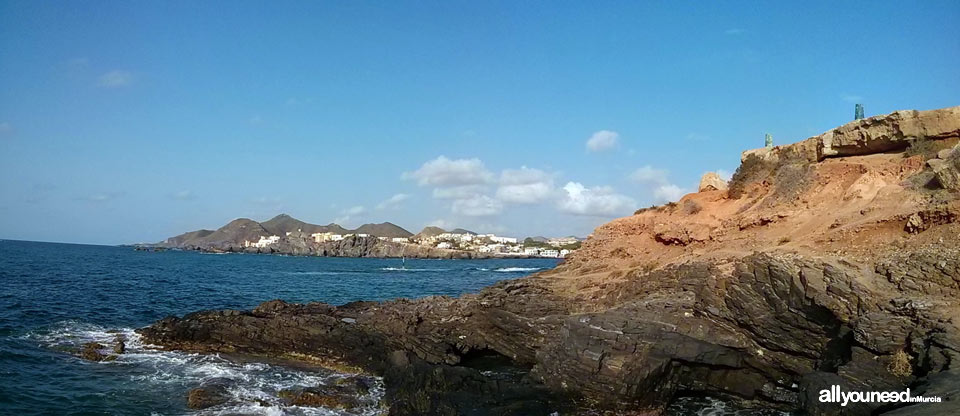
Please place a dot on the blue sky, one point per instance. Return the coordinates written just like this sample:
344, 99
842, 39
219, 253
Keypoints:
133, 121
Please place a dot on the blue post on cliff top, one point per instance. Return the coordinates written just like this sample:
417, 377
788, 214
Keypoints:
858, 112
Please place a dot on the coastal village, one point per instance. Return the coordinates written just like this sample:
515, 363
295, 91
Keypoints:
464, 241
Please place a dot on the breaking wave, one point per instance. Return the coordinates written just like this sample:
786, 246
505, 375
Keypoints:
403, 269
516, 269
253, 387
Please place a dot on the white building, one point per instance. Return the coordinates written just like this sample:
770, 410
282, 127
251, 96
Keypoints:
564, 252
444, 244
531, 251
549, 253
400, 240
363, 235
321, 237
336, 237
496, 248
263, 242
557, 242
503, 240
455, 237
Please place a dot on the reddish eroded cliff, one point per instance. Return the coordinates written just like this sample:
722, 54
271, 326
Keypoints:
813, 268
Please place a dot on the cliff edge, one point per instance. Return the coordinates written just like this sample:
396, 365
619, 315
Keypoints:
831, 261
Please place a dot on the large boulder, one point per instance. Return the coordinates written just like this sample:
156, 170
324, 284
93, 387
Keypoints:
877, 134
210, 393
330, 397
889, 132
947, 169
711, 181
92, 351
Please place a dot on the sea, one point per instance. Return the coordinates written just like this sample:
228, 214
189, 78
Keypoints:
56, 297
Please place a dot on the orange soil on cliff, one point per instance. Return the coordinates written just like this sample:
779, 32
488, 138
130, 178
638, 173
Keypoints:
846, 206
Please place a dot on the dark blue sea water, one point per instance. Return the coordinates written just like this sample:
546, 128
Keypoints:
55, 297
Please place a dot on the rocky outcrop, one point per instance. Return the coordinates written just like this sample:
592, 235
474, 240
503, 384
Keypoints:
211, 393
95, 351
946, 168
890, 132
893, 131
711, 181
808, 273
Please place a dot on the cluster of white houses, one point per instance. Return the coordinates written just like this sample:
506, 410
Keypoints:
263, 242
481, 243
489, 243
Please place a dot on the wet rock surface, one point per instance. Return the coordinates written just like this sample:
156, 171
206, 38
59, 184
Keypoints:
754, 333
212, 393
95, 351
91, 352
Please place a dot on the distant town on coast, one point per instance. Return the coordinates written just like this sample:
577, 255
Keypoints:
284, 234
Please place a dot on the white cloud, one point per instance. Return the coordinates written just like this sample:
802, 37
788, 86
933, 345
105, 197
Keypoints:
102, 196
668, 193
724, 174
184, 196
649, 175
598, 201
393, 201
477, 206
442, 223
451, 172
116, 79
603, 140
525, 186
657, 180
458, 192
349, 214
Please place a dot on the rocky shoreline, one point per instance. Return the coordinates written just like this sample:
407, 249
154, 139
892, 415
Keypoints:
832, 261
352, 246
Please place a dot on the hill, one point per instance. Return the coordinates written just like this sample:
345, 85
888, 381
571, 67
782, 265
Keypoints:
235, 231
283, 223
431, 231
385, 229
243, 229
187, 238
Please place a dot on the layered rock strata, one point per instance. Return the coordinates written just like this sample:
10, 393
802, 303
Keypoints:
834, 261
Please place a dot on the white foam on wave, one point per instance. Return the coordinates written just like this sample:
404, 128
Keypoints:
253, 386
516, 269
405, 269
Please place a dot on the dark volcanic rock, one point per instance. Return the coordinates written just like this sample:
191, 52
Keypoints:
120, 344
331, 397
754, 333
91, 351
210, 393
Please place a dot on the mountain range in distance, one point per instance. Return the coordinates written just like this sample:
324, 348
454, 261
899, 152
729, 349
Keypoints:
245, 229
